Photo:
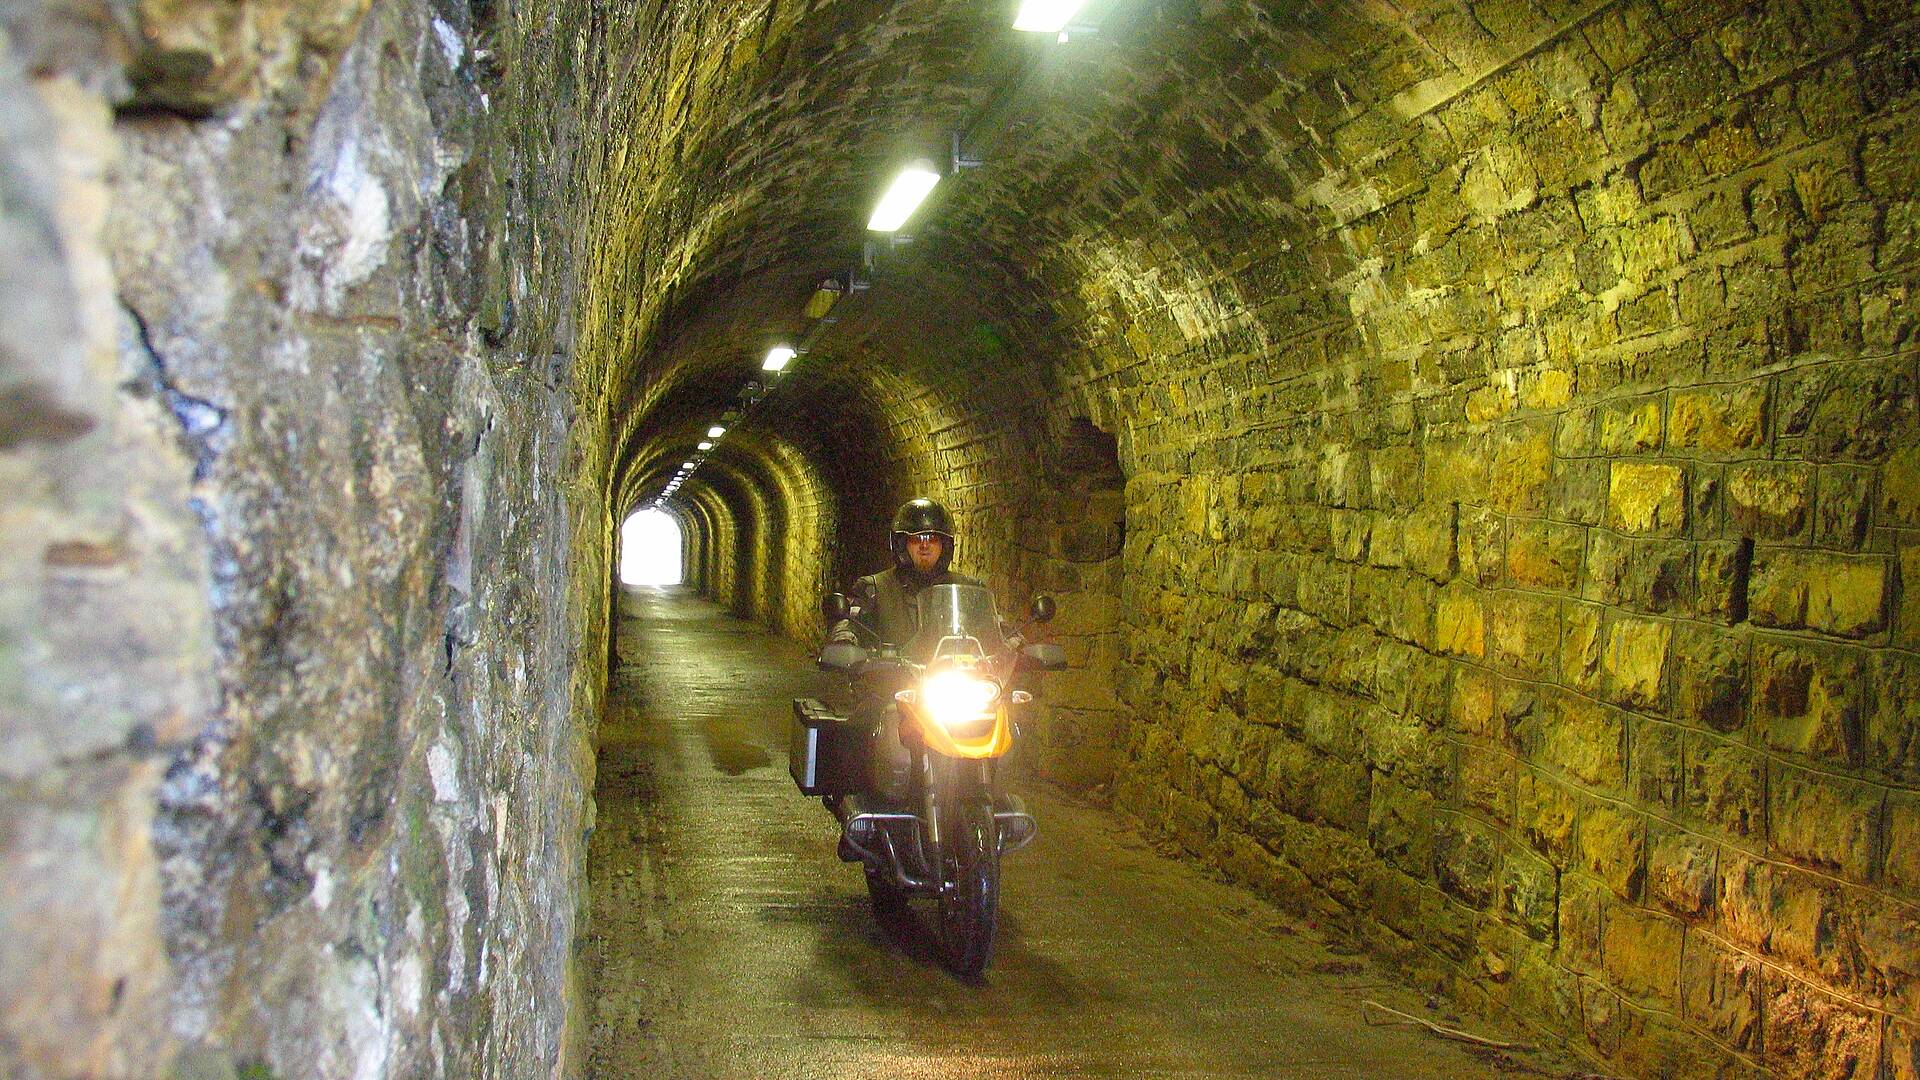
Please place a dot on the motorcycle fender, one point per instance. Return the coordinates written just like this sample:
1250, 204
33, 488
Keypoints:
994, 742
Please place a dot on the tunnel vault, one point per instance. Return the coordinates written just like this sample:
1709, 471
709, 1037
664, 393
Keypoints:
1477, 446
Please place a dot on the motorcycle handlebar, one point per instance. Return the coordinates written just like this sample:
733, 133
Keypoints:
859, 663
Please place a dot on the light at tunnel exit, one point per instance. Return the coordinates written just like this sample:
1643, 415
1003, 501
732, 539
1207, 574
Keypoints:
650, 549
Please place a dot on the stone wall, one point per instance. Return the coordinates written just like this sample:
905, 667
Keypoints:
697, 532
106, 645
764, 536
1517, 538
294, 725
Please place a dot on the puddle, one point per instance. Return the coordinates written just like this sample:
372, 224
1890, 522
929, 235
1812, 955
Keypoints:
731, 748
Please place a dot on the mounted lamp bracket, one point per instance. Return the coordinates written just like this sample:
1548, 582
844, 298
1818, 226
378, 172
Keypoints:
961, 160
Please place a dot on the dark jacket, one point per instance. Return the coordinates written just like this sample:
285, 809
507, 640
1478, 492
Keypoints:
891, 612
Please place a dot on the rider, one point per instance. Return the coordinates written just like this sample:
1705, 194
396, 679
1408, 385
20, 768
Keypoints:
922, 541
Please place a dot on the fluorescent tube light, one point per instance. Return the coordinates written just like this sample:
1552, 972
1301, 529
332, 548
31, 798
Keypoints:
1046, 16
904, 197
822, 300
777, 358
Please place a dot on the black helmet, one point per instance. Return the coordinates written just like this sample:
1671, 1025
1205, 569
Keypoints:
921, 516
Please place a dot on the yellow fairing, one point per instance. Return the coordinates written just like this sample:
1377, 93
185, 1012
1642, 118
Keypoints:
993, 741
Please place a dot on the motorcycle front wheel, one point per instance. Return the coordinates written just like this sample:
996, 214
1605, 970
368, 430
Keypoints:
888, 899
971, 863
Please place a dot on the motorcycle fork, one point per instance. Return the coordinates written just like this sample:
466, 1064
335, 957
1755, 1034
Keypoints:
945, 783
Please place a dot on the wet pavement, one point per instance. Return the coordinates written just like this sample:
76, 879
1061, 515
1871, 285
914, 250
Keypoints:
729, 941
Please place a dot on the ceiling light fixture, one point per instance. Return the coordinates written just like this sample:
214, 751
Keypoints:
903, 197
716, 431
777, 357
822, 300
1046, 16
705, 444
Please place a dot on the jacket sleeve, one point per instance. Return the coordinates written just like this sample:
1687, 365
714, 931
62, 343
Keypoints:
846, 631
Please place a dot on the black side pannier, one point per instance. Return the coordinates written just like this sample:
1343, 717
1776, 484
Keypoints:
827, 753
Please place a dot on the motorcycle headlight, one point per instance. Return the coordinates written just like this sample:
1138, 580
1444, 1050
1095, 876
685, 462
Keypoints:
954, 698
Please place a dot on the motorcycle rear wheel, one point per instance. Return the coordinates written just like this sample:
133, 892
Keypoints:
969, 911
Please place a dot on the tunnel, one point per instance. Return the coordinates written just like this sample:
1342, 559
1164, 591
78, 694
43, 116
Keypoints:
1473, 447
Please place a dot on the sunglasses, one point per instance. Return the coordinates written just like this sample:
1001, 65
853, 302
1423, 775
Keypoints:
925, 538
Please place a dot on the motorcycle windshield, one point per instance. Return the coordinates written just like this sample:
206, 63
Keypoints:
954, 619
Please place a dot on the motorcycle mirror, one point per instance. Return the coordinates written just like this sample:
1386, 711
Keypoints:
834, 607
1042, 609
842, 656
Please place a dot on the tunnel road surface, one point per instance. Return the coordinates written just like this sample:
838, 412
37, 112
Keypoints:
728, 940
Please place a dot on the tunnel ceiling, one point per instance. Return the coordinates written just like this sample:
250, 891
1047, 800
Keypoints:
1223, 171
1245, 177
728, 172
1237, 107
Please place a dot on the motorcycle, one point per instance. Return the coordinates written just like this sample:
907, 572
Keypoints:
943, 840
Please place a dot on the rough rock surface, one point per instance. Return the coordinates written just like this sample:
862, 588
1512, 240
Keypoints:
295, 753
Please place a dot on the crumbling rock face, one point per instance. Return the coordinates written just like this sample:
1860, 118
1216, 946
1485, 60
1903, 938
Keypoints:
294, 733
107, 648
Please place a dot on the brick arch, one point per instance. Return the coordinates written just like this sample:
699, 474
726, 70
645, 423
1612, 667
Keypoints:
762, 533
